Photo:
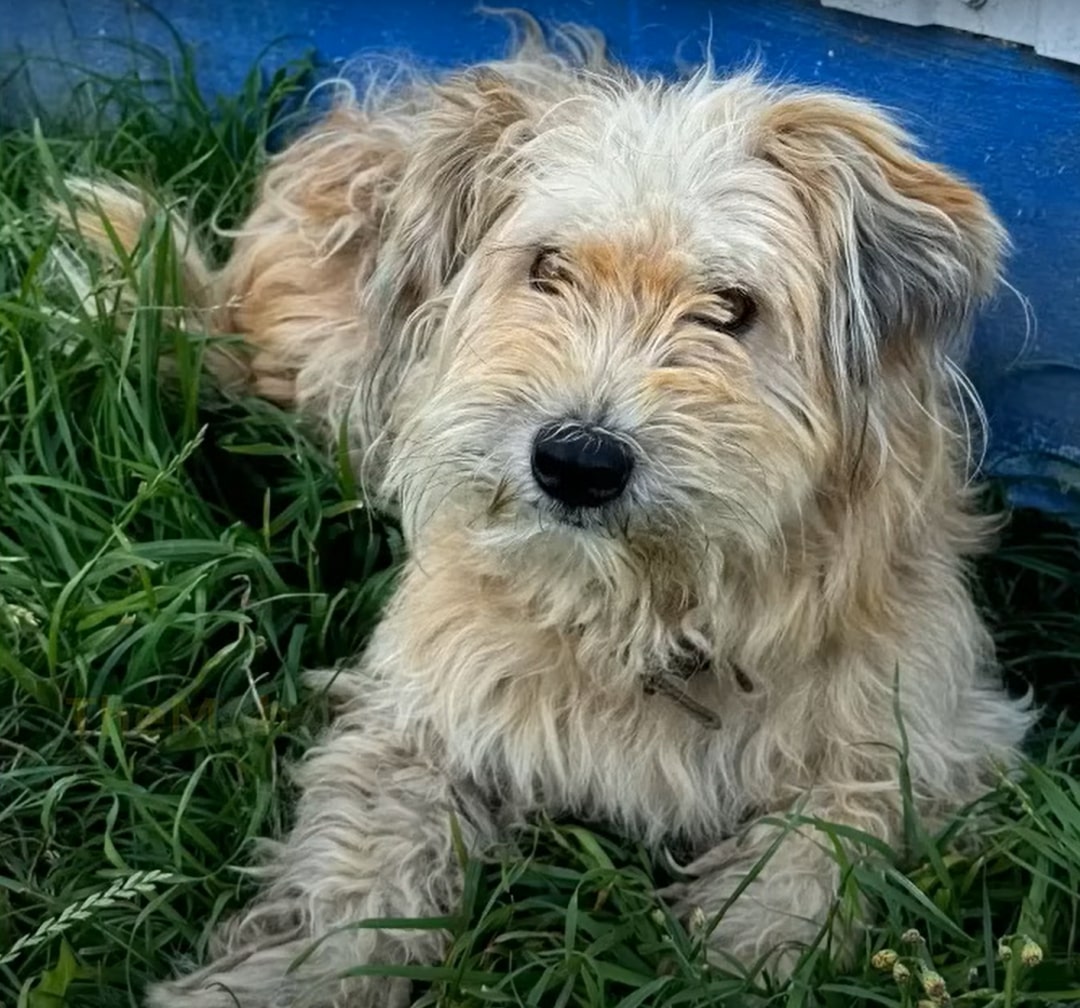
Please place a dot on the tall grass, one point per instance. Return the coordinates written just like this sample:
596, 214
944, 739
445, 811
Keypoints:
171, 562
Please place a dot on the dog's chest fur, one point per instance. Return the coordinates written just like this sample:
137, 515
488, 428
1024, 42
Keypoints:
539, 723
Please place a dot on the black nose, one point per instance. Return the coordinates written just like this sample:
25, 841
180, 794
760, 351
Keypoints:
580, 465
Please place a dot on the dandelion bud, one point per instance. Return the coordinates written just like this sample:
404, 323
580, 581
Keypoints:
884, 960
1031, 954
934, 985
698, 921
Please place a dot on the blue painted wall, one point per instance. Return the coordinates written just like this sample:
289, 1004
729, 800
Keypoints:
1005, 118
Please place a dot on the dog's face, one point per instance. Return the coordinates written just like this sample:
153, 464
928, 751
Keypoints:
667, 317
623, 365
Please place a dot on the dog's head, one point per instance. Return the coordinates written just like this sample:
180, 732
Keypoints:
668, 320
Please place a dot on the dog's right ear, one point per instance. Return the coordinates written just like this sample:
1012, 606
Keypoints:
360, 222
458, 180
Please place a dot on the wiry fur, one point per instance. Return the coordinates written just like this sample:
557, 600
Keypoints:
799, 509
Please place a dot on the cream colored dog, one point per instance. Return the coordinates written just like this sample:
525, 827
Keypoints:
659, 377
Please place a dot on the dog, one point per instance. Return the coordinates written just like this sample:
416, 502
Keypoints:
660, 379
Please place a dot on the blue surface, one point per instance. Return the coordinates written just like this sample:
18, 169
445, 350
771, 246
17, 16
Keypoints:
1005, 118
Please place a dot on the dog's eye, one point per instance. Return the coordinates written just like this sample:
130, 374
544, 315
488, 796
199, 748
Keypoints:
547, 272
732, 313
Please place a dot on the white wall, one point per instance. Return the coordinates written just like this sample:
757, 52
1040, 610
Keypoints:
1052, 27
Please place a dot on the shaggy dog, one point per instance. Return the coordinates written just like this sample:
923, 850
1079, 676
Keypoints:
660, 378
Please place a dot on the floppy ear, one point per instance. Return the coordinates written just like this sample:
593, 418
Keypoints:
360, 221
457, 182
910, 249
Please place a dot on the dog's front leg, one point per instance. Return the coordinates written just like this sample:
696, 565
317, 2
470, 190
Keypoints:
374, 838
777, 883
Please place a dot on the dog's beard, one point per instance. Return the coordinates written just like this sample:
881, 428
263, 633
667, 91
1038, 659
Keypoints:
673, 519
709, 479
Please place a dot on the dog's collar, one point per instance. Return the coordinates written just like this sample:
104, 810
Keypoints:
671, 681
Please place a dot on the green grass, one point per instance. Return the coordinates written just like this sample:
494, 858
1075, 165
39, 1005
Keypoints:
171, 562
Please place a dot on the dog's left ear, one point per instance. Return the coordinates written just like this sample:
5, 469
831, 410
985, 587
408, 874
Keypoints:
910, 249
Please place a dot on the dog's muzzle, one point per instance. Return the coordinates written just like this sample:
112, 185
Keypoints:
580, 465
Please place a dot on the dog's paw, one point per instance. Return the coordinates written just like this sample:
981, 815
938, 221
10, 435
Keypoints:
759, 909
367, 992
272, 977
